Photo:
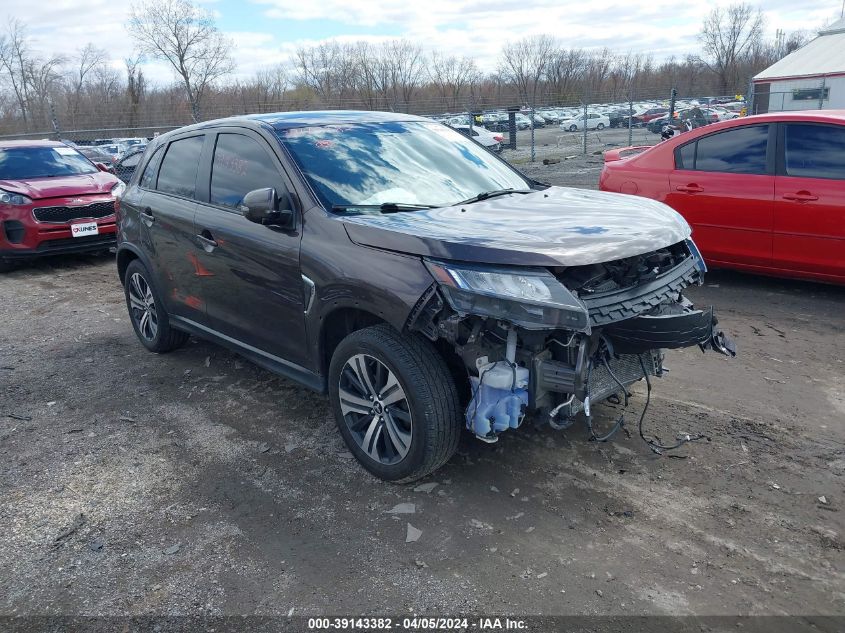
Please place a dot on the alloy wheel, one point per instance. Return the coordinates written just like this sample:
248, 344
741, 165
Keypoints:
142, 306
376, 409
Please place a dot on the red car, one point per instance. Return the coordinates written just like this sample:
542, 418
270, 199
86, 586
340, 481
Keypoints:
53, 200
765, 194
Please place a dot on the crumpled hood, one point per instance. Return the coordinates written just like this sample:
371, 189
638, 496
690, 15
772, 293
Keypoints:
555, 227
62, 186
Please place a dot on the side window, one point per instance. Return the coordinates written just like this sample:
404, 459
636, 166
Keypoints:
815, 151
240, 165
148, 179
737, 151
685, 156
178, 173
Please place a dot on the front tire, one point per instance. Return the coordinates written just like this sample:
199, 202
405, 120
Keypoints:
573, 128
395, 403
147, 313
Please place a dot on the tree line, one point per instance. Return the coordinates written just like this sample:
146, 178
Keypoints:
86, 91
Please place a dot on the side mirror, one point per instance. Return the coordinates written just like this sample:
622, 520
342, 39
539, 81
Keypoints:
263, 206
103, 167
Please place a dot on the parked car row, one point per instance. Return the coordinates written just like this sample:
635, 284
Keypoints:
638, 114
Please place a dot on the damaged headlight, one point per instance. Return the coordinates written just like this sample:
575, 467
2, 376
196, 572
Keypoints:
529, 297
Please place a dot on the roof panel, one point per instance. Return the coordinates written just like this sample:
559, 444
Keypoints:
823, 55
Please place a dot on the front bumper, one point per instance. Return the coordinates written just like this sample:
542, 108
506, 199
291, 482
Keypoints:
44, 228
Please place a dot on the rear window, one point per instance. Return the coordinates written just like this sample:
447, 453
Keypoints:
815, 151
148, 179
178, 173
23, 163
735, 151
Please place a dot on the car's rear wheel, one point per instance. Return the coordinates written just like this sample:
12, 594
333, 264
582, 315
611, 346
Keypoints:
147, 313
600, 126
395, 403
6, 266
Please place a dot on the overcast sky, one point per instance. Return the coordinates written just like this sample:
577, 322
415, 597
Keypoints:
265, 32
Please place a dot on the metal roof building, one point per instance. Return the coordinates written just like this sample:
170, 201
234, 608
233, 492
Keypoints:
812, 77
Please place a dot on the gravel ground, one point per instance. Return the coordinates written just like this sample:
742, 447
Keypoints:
197, 483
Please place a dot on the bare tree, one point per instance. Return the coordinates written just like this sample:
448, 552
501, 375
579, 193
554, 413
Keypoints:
524, 62
136, 85
185, 36
403, 67
14, 59
564, 67
85, 61
728, 36
452, 76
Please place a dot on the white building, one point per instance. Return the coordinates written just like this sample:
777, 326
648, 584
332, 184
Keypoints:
810, 78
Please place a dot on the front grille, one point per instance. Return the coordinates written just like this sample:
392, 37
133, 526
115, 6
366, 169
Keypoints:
57, 215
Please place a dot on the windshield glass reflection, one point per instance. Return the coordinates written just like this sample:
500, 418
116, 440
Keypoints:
402, 162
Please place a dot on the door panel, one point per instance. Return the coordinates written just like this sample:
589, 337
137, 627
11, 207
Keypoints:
809, 218
730, 214
166, 215
724, 186
253, 289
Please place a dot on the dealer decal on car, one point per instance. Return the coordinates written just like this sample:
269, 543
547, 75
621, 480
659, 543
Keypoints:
84, 228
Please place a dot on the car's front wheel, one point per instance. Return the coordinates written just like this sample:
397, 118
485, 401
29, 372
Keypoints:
395, 403
573, 128
146, 311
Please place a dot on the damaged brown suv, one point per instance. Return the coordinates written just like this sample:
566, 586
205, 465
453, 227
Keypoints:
415, 277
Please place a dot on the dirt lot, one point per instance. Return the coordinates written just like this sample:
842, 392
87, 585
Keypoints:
209, 486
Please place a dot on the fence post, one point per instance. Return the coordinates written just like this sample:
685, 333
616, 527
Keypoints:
533, 146
585, 127
55, 121
630, 120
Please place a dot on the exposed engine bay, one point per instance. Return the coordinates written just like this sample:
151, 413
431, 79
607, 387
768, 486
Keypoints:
609, 326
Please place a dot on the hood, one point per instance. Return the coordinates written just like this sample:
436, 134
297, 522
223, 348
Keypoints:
97, 182
556, 227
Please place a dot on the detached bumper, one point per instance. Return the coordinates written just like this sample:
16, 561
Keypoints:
672, 327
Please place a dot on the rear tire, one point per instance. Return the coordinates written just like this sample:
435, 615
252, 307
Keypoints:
600, 126
147, 313
6, 266
427, 418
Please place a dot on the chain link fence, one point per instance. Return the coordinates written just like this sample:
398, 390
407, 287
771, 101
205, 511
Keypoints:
523, 134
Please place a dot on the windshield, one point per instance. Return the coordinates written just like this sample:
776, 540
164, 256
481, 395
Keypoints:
22, 163
402, 162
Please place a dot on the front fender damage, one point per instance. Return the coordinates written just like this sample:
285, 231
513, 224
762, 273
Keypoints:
557, 375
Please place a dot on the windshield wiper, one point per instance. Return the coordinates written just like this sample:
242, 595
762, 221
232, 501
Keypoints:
384, 207
484, 195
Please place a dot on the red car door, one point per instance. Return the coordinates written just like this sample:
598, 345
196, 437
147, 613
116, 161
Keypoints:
809, 218
723, 184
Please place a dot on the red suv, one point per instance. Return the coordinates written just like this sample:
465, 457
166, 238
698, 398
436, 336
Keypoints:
764, 194
53, 200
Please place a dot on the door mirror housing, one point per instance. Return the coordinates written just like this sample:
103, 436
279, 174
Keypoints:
103, 167
263, 206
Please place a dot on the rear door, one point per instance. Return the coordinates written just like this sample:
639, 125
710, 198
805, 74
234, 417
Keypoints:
809, 218
723, 184
166, 209
253, 288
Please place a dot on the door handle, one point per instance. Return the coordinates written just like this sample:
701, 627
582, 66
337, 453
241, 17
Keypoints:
207, 241
690, 188
800, 196
147, 216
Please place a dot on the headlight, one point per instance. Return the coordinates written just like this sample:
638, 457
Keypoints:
118, 189
16, 199
529, 297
